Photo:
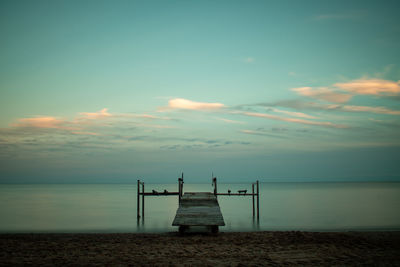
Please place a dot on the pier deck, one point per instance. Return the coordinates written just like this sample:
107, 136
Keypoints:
198, 209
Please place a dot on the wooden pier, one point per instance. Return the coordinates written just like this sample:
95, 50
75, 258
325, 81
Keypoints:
198, 209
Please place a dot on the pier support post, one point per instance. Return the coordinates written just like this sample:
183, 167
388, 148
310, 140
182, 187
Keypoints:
214, 180
142, 200
258, 201
138, 199
252, 196
180, 188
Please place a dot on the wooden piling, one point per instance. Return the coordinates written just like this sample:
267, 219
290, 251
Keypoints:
138, 199
180, 188
215, 186
252, 196
258, 200
143, 200
182, 185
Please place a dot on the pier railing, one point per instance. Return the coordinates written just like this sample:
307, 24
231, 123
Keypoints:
242, 193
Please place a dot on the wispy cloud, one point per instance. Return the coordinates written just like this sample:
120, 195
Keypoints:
185, 104
292, 113
88, 130
231, 121
75, 126
340, 93
261, 133
144, 116
307, 105
294, 120
323, 93
378, 110
371, 87
200, 143
158, 126
88, 123
343, 92
86, 133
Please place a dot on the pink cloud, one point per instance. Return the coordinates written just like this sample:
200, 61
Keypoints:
82, 124
379, 110
180, 103
294, 120
230, 121
323, 93
371, 87
43, 122
96, 115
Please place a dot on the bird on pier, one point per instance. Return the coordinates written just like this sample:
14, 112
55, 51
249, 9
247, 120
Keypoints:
229, 191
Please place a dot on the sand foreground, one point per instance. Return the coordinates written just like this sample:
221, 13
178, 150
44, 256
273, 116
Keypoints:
224, 249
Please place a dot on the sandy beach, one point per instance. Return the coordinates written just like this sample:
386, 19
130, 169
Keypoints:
224, 249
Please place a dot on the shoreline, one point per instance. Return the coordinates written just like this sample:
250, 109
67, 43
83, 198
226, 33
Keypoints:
202, 249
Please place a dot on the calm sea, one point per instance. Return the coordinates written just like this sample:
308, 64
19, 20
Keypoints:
283, 206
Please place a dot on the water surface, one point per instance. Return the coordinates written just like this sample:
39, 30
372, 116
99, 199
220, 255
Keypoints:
283, 206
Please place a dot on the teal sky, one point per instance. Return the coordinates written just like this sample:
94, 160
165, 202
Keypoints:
112, 91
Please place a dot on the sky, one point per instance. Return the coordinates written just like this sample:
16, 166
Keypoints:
115, 91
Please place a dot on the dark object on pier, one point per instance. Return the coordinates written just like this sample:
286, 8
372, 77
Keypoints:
229, 191
154, 191
242, 191
165, 191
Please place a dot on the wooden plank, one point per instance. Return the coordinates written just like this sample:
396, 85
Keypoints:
198, 209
